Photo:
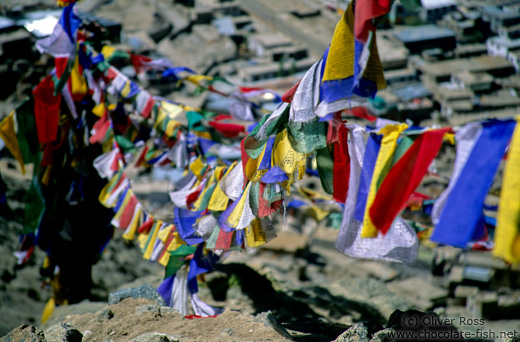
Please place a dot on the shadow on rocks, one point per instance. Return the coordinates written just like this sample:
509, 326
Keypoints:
293, 311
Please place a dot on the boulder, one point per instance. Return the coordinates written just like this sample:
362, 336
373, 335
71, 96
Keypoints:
145, 291
356, 333
268, 319
24, 333
63, 332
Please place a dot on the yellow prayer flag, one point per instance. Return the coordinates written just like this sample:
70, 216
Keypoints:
507, 232
171, 110
341, 55
219, 200
449, 138
126, 89
196, 79
285, 156
105, 193
46, 177
218, 173
163, 234
252, 172
170, 128
235, 216
99, 109
107, 51
197, 166
48, 310
313, 194
318, 214
205, 135
108, 144
255, 235
8, 135
77, 80
141, 239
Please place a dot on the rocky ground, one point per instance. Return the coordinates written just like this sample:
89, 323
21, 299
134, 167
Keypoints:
295, 288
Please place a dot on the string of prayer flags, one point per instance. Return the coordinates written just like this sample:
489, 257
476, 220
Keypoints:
231, 186
463, 208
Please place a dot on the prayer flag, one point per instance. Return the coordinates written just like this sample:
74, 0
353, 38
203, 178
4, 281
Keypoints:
8, 135
46, 110
404, 177
463, 209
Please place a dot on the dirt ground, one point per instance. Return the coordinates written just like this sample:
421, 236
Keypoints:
135, 317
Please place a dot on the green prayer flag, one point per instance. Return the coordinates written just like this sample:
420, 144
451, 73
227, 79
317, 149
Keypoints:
206, 197
325, 166
306, 137
176, 259
26, 133
125, 144
212, 241
34, 207
194, 120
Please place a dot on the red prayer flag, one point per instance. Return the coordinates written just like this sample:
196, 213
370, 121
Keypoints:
362, 112
139, 62
404, 177
264, 209
146, 226
364, 12
101, 127
191, 198
228, 130
341, 169
46, 110
60, 63
288, 96
221, 117
148, 107
249, 89
224, 240
128, 213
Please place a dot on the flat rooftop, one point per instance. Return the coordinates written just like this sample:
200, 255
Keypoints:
423, 32
476, 64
